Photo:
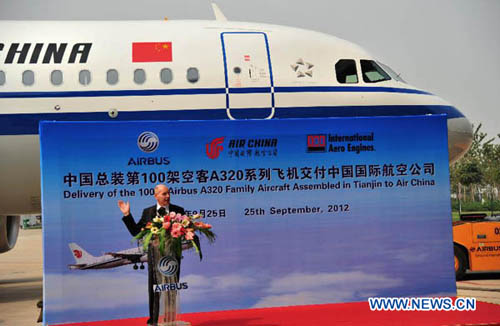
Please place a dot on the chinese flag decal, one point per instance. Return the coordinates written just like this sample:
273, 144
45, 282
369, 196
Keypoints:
151, 51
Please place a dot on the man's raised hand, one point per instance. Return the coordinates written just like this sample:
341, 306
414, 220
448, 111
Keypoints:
124, 207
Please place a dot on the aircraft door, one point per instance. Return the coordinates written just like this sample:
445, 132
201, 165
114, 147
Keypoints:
248, 73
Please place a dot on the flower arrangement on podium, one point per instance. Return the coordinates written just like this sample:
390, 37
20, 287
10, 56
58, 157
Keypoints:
174, 231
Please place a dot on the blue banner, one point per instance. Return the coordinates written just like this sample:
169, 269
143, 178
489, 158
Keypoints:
305, 211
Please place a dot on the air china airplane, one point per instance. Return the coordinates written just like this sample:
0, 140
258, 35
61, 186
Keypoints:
84, 260
182, 70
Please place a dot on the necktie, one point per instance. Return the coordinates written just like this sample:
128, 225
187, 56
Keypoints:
162, 211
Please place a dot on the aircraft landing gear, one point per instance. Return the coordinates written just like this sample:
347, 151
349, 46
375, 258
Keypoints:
135, 267
142, 265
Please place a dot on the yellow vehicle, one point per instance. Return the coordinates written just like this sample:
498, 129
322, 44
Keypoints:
476, 245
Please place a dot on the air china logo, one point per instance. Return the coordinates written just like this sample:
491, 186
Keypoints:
214, 148
168, 266
316, 143
77, 253
148, 142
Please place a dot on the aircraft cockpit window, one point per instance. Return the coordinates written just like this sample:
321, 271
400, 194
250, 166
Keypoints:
28, 77
84, 77
391, 72
139, 76
56, 77
372, 72
193, 75
346, 71
2, 78
166, 75
112, 76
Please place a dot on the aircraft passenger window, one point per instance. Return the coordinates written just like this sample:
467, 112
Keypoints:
346, 72
139, 76
28, 77
112, 76
84, 77
166, 76
372, 73
2, 78
193, 75
56, 77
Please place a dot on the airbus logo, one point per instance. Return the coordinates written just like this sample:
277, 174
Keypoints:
168, 266
214, 148
170, 287
148, 142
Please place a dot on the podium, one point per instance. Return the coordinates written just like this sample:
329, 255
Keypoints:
164, 271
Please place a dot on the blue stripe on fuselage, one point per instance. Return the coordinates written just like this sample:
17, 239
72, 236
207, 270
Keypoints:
336, 89
202, 91
118, 93
27, 124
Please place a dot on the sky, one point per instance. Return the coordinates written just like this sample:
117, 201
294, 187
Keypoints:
447, 47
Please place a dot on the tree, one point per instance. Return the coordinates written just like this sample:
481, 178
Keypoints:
491, 168
470, 174
480, 166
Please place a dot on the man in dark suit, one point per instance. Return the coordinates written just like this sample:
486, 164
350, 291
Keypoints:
162, 207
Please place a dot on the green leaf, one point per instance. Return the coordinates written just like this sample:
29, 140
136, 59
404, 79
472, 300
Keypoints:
208, 234
197, 249
147, 239
196, 241
140, 235
162, 245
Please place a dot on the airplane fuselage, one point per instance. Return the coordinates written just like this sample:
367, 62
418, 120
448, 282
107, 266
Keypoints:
84, 260
109, 71
117, 262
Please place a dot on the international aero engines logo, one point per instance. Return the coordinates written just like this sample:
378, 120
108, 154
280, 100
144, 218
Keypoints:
214, 148
168, 266
316, 143
148, 142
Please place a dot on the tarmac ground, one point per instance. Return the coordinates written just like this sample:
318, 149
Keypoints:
482, 286
21, 282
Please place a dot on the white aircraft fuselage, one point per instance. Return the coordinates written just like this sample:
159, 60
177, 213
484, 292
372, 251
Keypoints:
216, 70
84, 260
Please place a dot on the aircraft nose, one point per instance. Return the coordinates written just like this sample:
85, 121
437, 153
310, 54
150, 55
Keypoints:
460, 135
